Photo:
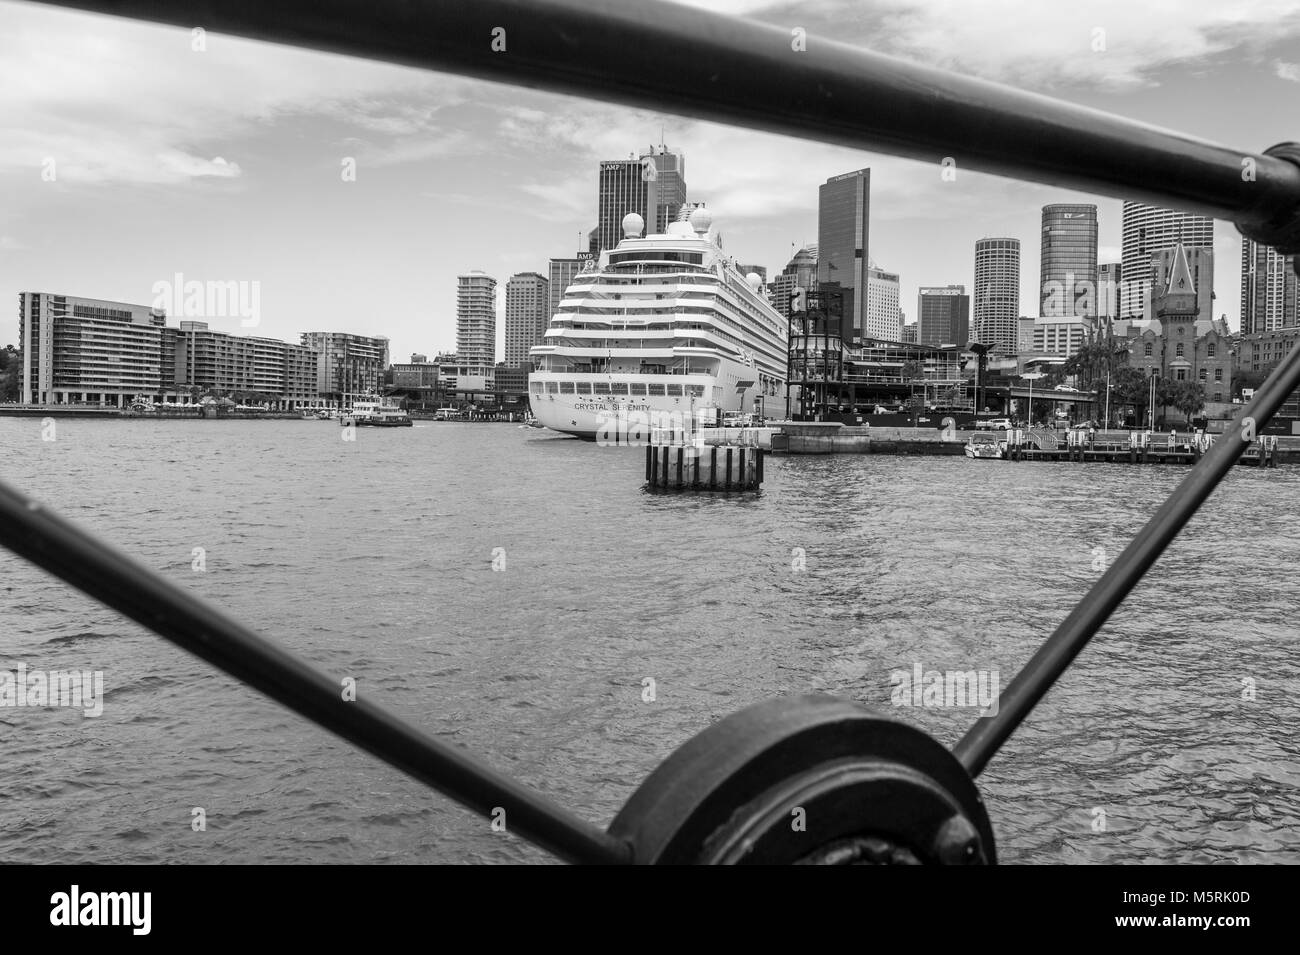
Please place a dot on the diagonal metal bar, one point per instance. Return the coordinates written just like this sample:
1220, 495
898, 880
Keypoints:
988, 734
671, 57
136, 591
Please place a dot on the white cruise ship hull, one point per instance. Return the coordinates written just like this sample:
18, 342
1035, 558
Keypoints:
619, 419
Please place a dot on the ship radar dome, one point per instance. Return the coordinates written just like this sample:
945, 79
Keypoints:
755, 281
701, 219
632, 225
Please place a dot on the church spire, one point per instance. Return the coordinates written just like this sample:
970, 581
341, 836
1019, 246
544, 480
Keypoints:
1180, 274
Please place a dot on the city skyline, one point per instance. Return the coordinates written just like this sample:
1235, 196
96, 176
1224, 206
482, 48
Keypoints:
228, 164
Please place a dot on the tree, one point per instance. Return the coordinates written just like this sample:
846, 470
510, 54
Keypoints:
1128, 389
11, 363
1250, 379
1188, 397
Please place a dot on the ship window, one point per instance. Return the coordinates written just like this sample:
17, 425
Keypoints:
566, 387
674, 391
637, 388
695, 391
584, 387
618, 388
656, 390
601, 387
537, 387
552, 388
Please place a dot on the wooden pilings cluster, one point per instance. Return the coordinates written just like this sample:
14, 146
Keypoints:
689, 467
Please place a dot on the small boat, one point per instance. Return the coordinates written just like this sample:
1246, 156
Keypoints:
983, 445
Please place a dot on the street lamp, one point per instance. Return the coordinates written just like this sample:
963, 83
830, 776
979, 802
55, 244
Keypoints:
1031, 377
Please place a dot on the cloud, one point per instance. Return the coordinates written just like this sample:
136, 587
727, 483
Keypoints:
1287, 71
118, 100
1114, 44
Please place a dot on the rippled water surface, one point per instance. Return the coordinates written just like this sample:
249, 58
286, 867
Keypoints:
374, 559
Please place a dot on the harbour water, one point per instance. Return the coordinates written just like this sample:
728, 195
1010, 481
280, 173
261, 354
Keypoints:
375, 560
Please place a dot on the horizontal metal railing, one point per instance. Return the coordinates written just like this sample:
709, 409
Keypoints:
699, 64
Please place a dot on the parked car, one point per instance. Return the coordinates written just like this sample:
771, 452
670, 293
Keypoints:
993, 424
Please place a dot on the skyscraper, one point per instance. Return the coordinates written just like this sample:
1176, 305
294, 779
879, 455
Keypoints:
476, 319
943, 315
843, 232
1109, 275
801, 272
997, 294
527, 299
652, 185
1148, 229
1068, 264
561, 274
883, 317
1270, 297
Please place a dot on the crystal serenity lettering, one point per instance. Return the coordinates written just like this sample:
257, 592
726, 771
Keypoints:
103, 908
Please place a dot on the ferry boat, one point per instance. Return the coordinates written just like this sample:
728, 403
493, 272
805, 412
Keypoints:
664, 332
379, 413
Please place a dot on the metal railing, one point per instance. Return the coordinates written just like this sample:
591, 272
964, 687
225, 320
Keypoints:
747, 74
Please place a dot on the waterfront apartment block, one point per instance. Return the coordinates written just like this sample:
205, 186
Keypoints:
997, 294
476, 318
264, 369
88, 351
527, 298
1148, 229
348, 366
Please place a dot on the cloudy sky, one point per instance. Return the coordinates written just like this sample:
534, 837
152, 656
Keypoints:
224, 164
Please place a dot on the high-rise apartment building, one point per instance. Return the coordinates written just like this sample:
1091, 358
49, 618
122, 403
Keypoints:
1148, 229
1270, 290
997, 294
476, 318
843, 234
1068, 263
943, 316
527, 299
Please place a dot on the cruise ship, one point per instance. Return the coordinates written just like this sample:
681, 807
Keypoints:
665, 331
